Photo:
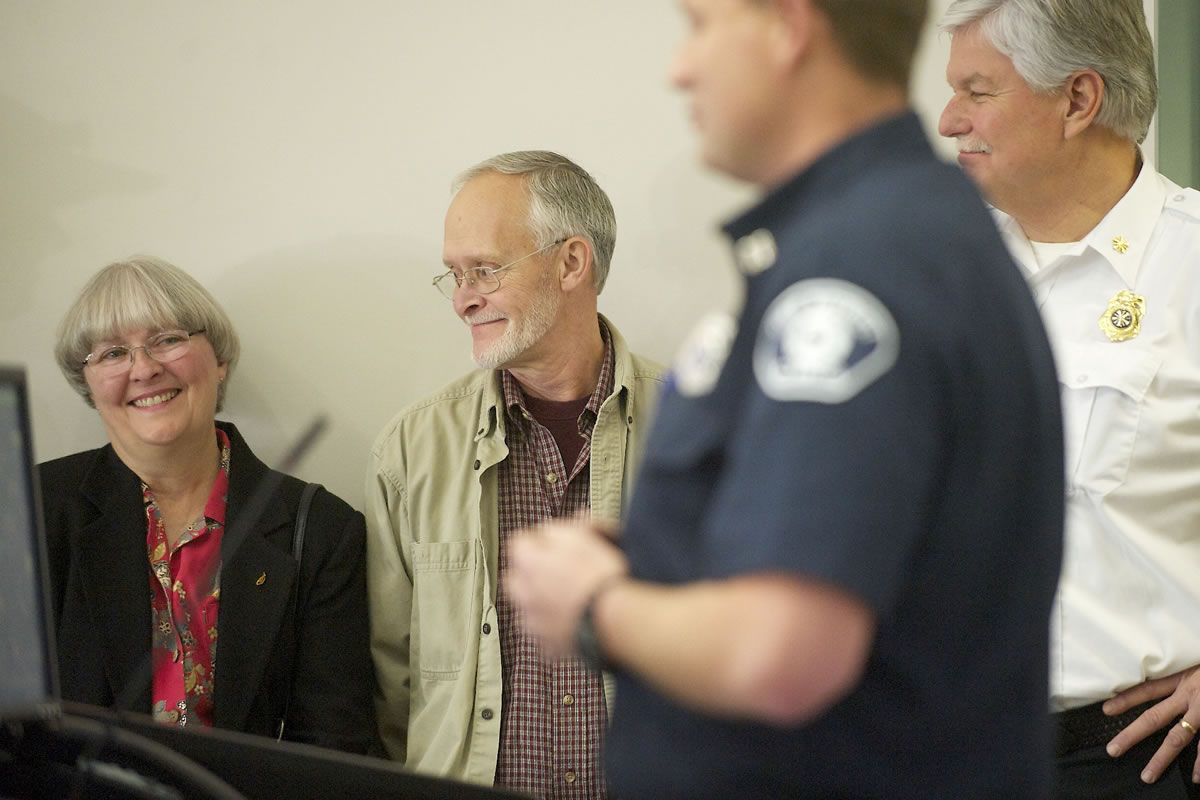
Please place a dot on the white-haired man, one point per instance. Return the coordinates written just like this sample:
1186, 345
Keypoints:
548, 426
1051, 98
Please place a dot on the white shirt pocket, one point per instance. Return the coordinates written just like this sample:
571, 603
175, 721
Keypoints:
1103, 388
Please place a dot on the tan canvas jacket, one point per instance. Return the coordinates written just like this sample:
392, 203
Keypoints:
432, 554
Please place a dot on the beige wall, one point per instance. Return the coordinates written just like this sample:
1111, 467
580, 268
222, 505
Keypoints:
295, 156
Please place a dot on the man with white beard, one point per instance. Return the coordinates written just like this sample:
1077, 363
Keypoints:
548, 426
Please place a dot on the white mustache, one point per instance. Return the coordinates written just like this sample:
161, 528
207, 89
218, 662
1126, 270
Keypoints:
482, 317
969, 144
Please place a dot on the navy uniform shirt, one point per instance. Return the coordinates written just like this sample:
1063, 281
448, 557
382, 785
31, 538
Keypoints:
886, 420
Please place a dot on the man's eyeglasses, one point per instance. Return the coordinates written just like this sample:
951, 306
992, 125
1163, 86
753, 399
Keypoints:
483, 280
163, 347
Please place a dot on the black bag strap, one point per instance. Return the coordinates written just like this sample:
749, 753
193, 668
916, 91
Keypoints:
306, 498
302, 520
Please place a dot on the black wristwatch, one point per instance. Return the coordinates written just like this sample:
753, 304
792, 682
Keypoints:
585, 633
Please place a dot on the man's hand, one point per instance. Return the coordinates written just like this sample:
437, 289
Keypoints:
1181, 705
553, 571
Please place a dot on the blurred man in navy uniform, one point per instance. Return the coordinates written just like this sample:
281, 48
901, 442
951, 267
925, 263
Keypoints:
1051, 99
838, 565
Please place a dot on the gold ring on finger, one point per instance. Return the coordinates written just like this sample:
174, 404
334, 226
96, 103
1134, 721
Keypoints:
1187, 725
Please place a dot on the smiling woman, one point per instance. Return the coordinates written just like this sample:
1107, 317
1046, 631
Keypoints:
142, 522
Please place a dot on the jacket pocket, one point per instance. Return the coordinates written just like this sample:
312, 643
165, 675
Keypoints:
445, 577
1103, 387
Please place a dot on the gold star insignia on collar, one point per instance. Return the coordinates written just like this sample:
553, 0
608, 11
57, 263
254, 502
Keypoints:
1120, 244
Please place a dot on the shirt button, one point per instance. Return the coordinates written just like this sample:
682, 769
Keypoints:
487, 713
477, 463
570, 776
487, 628
568, 699
1082, 378
551, 478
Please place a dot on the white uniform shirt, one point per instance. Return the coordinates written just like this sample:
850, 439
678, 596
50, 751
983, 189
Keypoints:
1128, 605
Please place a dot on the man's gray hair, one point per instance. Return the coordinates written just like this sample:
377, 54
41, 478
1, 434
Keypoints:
1048, 40
564, 201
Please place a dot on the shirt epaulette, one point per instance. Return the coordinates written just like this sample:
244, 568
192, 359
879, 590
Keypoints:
1184, 201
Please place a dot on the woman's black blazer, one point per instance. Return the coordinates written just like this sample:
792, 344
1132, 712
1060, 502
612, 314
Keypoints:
273, 634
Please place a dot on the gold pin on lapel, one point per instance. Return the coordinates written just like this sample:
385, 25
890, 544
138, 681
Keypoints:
1123, 318
261, 579
1120, 244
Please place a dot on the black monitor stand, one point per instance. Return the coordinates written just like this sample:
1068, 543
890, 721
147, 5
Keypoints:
109, 755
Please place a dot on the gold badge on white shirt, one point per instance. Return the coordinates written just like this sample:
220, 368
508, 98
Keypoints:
1122, 319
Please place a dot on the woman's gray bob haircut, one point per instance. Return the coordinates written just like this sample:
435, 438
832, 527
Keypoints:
141, 292
1048, 40
564, 201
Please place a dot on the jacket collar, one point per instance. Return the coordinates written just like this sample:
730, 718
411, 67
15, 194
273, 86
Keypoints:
258, 581
246, 474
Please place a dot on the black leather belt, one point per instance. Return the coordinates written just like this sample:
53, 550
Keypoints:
1089, 726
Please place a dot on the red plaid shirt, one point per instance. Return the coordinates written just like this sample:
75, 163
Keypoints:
184, 607
554, 716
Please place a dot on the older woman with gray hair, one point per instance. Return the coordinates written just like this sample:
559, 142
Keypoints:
145, 578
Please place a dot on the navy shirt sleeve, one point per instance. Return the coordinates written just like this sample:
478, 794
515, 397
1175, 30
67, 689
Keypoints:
836, 450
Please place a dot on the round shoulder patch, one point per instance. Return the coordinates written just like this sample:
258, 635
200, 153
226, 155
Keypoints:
703, 355
824, 340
